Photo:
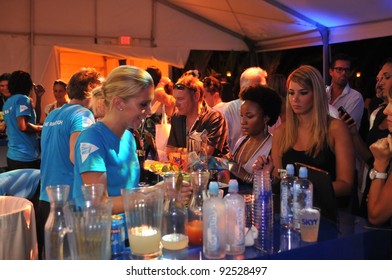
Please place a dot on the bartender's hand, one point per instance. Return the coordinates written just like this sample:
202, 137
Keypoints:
186, 191
2, 126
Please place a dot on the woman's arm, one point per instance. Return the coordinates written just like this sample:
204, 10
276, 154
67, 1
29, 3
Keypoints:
359, 145
168, 100
72, 142
39, 91
342, 145
26, 126
275, 153
238, 171
380, 193
100, 178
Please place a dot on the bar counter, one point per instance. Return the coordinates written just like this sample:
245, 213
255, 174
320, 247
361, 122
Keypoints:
350, 239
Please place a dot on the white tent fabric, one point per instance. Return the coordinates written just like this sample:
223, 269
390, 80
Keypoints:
33, 31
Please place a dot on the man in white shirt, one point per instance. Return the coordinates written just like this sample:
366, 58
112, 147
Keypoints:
340, 92
251, 76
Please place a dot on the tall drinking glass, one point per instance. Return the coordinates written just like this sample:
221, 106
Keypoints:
92, 191
89, 221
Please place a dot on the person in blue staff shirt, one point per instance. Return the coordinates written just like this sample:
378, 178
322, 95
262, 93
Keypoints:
61, 128
20, 119
106, 152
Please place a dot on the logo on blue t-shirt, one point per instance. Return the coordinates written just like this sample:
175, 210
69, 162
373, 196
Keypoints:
23, 108
86, 122
86, 149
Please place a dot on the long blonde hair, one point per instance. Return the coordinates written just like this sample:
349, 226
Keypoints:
310, 78
124, 81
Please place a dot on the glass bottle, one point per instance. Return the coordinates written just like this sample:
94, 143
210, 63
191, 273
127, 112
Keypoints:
56, 246
199, 182
175, 216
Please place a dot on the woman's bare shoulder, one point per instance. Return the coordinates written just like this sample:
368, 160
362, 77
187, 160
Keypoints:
280, 128
338, 131
337, 125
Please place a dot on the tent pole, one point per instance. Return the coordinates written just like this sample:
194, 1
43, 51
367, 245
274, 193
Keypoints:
95, 22
324, 31
325, 38
153, 24
32, 18
253, 59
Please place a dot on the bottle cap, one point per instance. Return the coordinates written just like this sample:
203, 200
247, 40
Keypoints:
290, 169
233, 185
213, 187
303, 172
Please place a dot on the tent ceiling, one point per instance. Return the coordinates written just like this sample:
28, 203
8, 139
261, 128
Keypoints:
168, 29
287, 24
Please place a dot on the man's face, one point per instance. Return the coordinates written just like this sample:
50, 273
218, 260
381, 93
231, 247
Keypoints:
384, 81
209, 97
186, 102
341, 72
4, 88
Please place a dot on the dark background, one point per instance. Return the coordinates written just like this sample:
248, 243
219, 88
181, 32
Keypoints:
368, 57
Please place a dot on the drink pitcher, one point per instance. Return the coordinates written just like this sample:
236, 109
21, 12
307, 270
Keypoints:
89, 222
143, 211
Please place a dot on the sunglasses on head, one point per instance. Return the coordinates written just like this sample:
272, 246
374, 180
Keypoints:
182, 87
194, 73
207, 81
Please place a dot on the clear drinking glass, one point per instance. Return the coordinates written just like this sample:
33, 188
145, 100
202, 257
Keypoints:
92, 190
89, 222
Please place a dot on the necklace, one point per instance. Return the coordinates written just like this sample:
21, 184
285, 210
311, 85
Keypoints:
255, 151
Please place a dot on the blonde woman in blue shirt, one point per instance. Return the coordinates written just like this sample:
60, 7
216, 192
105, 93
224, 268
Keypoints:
106, 152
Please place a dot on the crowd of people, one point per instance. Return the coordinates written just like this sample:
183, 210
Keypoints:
96, 128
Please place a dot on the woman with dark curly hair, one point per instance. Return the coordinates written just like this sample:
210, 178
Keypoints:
260, 108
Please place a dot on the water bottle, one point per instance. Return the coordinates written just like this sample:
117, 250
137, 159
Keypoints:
214, 224
235, 220
303, 194
286, 197
263, 211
